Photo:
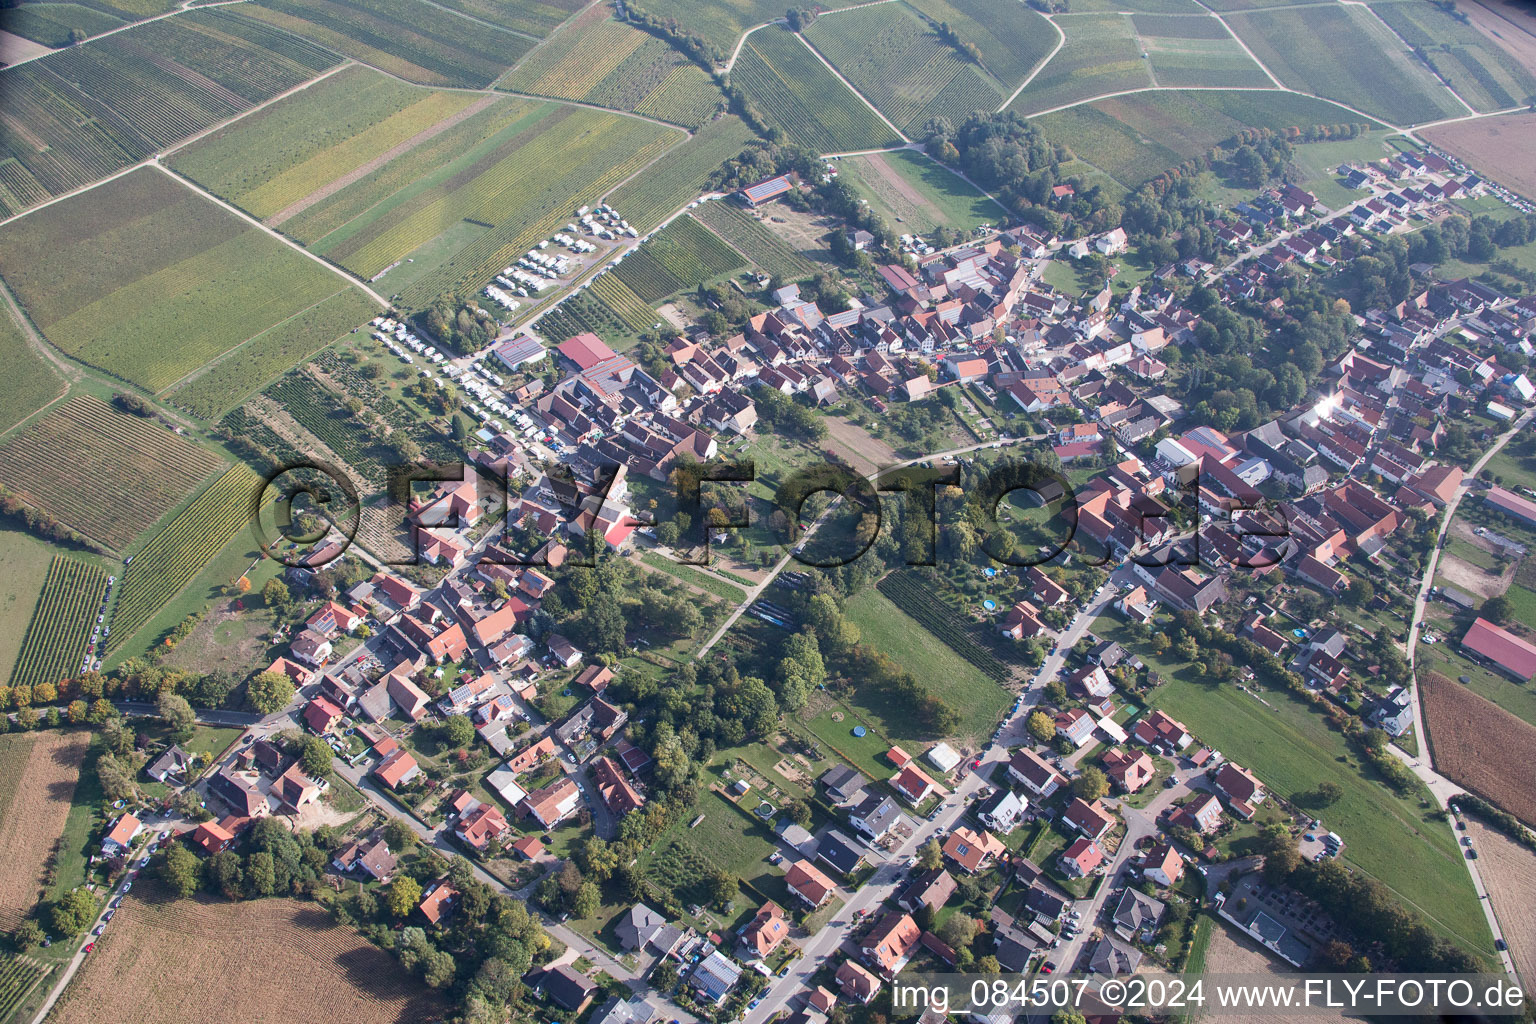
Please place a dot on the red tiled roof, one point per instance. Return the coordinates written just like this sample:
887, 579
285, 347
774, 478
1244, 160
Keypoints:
1501, 647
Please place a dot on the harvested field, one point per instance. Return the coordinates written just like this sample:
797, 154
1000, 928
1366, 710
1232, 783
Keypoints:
1472, 579
1503, 148
865, 452
38, 773
1232, 952
1509, 873
296, 966
1479, 745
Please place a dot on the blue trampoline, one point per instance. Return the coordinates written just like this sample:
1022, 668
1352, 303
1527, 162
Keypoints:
989, 604
990, 572
859, 730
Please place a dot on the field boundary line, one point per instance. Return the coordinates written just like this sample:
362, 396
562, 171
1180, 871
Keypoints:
1060, 42
335, 185
567, 23
743, 42
862, 98
1244, 44
1414, 57
68, 374
963, 177
124, 28
478, 21
206, 367
290, 243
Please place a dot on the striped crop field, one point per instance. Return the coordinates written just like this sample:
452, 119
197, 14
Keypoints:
681, 256
175, 555
626, 305
103, 473
793, 90
680, 176
757, 243
53, 648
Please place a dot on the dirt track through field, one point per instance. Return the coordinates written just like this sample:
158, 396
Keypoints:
35, 807
270, 961
326, 191
902, 187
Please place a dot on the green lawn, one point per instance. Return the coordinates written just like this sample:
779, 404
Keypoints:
211, 740
1292, 750
866, 753
688, 574
729, 835
918, 193
888, 629
23, 561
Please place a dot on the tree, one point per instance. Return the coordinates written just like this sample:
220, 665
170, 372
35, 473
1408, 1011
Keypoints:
101, 711
664, 976
1329, 792
399, 836
1041, 727
73, 913
930, 855
458, 730
1498, 609
722, 888
181, 870
1091, 784
27, 935
315, 757
958, 931
275, 595
178, 714
404, 895
260, 874
269, 692
586, 900
1360, 593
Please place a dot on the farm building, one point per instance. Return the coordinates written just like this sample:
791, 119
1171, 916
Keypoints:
1512, 505
1500, 648
769, 188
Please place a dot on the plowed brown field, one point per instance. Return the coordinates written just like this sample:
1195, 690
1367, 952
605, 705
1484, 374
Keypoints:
1479, 745
38, 773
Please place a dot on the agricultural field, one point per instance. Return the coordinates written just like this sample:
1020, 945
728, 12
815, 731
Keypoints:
1195, 51
60, 626
19, 974
30, 382
1479, 745
298, 967
531, 17
758, 244
36, 787
681, 175
1101, 56
488, 188
612, 64
1292, 750
719, 22
939, 660
785, 82
586, 311
24, 561
231, 380
918, 194
1345, 54
682, 256
1012, 39
1503, 148
79, 114
273, 163
106, 474
422, 42
175, 555
148, 280
1479, 69
1139, 6
51, 25
1134, 138
895, 58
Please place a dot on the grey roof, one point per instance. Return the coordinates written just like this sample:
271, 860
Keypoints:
637, 926
1137, 910
1111, 957
625, 1011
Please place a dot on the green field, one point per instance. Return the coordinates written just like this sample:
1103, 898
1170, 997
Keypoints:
1134, 138
488, 189
81, 113
753, 240
51, 24
720, 22
612, 64
534, 17
1101, 56
1188, 51
270, 162
421, 42
148, 280
681, 175
917, 193
30, 383
794, 91
232, 379
897, 60
1479, 69
24, 561
1345, 54
60, 625
980, 701
679, 257
1292, 750
1012, 38
104, 473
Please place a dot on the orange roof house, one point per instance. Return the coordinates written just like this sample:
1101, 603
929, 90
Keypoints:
397, 769
481, 826
806, 881
767, 931
890, 944
913, 784
437, 904
970, 850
